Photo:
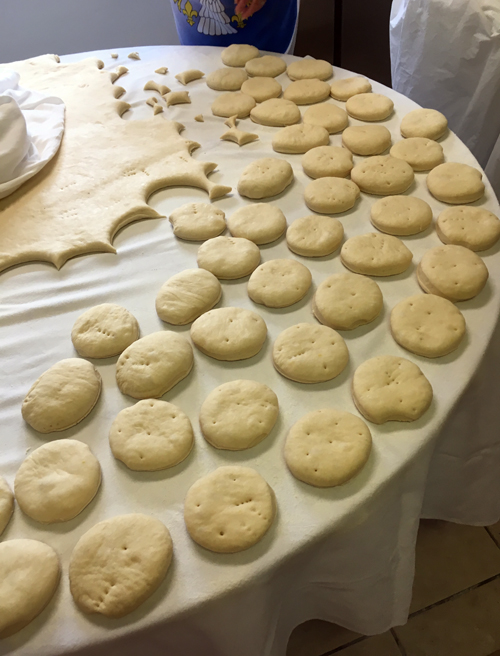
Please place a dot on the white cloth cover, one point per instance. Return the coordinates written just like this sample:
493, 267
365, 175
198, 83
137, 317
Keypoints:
31, 129
445, 54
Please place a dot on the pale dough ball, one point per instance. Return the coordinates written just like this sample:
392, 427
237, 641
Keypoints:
276, 112
401, 215
57, 481
383, 175
226, 79
261, 223
455, 183
262, 88
119, 563
348, 87
279, 283
472, 227
388, 388
6, 504
229, 333
151, 435
373, 254
238, 415
228, 258
197, 221
187, 295
427, 325
238, 54
421, 122
314, 236
366, 139
104, 331
151, 366
328, 116
327, 162
331, 195
345, 301
327, 447
300, 138
307, 92
268, 65
62, 396
233, 103
265, 177
422, 154
29, 576
308, 353
369, 106
310, 68
454, 272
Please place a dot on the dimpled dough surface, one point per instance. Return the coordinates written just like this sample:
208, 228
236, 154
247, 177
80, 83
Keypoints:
472, 227
265, 177
260, 222
374, 254
314, 236
104, 331
279, 283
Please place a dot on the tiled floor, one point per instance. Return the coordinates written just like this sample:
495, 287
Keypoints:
455, 609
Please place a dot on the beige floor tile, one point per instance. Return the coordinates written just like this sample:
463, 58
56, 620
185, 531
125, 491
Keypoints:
451, 558
495, 531
316, 637
381, 645
468, 625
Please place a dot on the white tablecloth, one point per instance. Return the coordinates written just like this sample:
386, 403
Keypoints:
342, 554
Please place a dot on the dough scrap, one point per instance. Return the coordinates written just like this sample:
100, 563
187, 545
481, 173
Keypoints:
369, 106
117, 73
422, 154
6, 504
233, 103
276, 112
307, 91
163, 70
268, 65
401, 215
314, 236
262, 88
226, 79
328, 116
151, 85
348, 87
309, 68
104, 331
383, 175
177, 98
373, 254
239, 136
157, 109
114, 55
279, 283
261, 223
231, 122
327, 162
367, 139
472, 227
238, 54
197, 221
300, 138
133, 55
199, 118
228, 258
455, 183
265, 177
151, 101
422, 122
187, 295
189, 76
331, 195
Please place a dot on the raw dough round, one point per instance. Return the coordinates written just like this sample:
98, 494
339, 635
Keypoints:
454, 272
427, 325
6, 504
261, 223
308, 353
307, 92
229, 333
104, 331
383, 175
310, 68
57, 481
367, 139
187, 295
268, 65
229, 258
119, 563
279, 283
422, 154
328, 116
151, 366
348, 87
369, 106
62, 396
197, 221
421, 122
276, 112
331, 195
373, 254
226, 79
262, 88
29, 576
314, 236
401, 215
300, 138
265, 177
151, 435
238, 415
455, 183
388, 388
238, 54
327, 447
345, 301
327, 162
472, 227
233, 103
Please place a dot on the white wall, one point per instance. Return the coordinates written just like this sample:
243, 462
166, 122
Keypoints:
35, 27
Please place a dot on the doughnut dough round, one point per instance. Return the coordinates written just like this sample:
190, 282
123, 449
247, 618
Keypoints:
331, 195
348, 87
226, 79
422, 154
268, 65
472, 227
367, 139
328, 116
229, 510
104, 331
233, 103
262, 88
29, 576
401, 215
6, 504
238, 415
238, 54
279, 283
327, 447
422, 122
228, 258
261, 223
229, 333
151, 435
345, 301
454, 272
310, 68
187, 295
308, 353
119, 563
369, 106
307, 92
314, 236
57, 481
455, 183
276, 112
383, 175
427, 325
327, 162
300, 138
62, 396
373, 254
197, 221
265, 177
151, 366
388, 388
